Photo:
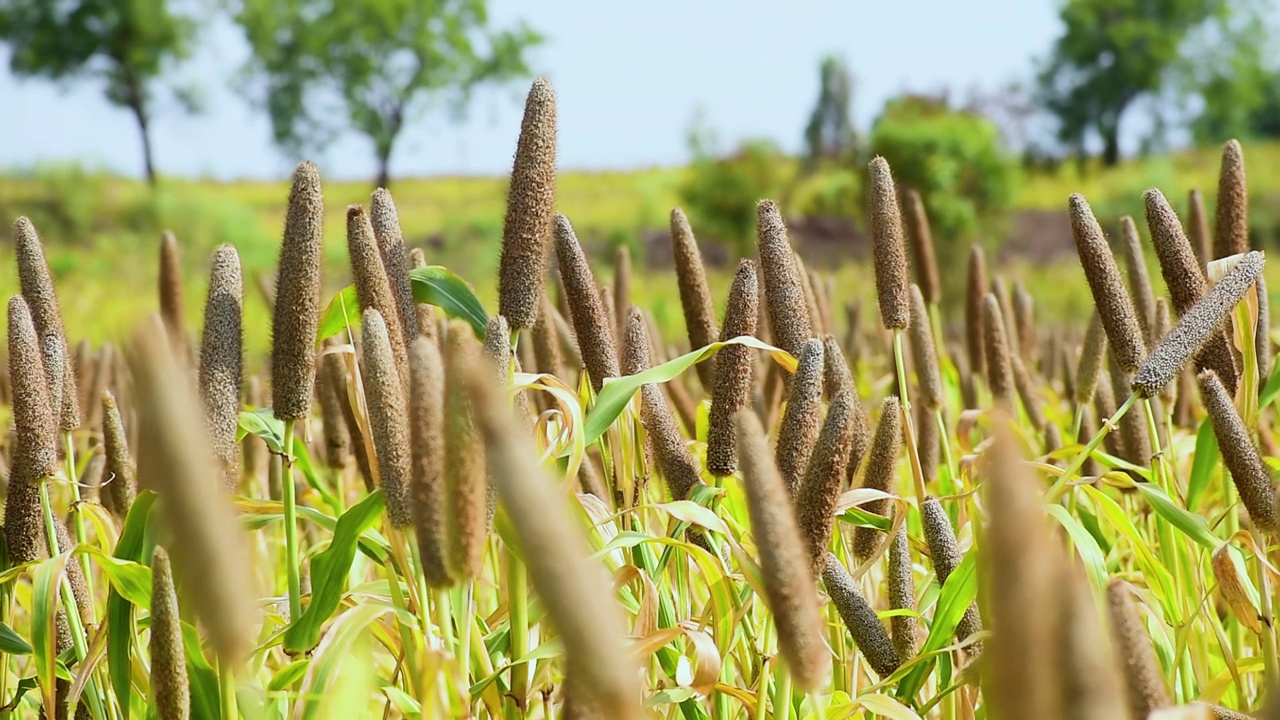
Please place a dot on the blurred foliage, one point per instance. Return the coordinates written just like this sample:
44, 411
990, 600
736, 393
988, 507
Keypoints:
829, 134
126, 45
955, 159
323, 66
720, 193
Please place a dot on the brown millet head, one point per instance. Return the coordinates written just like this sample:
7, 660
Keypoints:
1118, 316
1164, 323
1090, 686
637, 351
973, 324
998, 362
1184, 276
928, 442
902, 595
1144, 685
1024, 321
175, 324
1028, 392
1144, 299
395, 259
695, 297
35, 454
103, 368
837, 377
497, 349
330, 391
788, 578
815, 502
1198, 325
221, 359
923, 353
574, 589
798, 431
591, 325
670, 453
734, 372
882, 470
859, 618
944, 551
465, 479
922, 256
1240, 455
388, 416
1134, 435
546, 341
1000, 289
1231, 215
121, 482
1198, 228
297, 307
526, 231
1018, 571
57, 367
611, 316
622, 287
1262, 333
783, 292
42, 302
811, 302
426, 436
888, 246
169, 685
372, 287
175, 462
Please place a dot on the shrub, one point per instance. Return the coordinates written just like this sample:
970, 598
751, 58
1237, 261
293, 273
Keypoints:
720, 193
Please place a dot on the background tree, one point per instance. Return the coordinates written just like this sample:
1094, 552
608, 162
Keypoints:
829, 135
128, 45
1232, 77
371, 65
955, 159
1111, 54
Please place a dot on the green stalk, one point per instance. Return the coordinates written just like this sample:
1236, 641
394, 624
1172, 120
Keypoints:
1077, 423
290, 524
945, 439
398, 567
781, 691
518, 614
908, 424
77, 520
1060, 486
464, 642
227, 692
1268, 636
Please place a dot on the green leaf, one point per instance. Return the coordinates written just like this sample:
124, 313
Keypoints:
1095, 562
617, 392
1206, 459
329, 572
130, 579
286, 676
120, 634
1158, 576
1191, 525
44, 613
861, 518
436, 285
957, 594
262, 423
337, 647
433, 285
1271, 389
11, 642
206, 703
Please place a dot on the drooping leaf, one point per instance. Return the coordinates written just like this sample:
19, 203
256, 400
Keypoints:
44, 614
120, 633
957, 594
329, 572
1190, 524
11, 642
1202, 466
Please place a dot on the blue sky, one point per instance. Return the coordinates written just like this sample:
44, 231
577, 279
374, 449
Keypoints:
630, 77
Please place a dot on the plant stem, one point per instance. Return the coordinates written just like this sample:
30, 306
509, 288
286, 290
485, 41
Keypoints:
908, 424
1267, 637
227, 692
518, 616
399, 566
287, 492
945, 441
1060, 486
77, 522
781, 691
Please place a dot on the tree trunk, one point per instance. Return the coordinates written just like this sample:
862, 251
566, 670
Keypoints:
1111, 146
138, 106
384, 170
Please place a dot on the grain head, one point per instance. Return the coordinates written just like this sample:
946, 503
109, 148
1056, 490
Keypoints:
170, 689
221, 360
859, 618
999, 363
923, 352
426, 436
1240, 455
975, 334
798, 431
922, 255
171, 304
385, 221
118, 475
902, 595
783, 292
734, 371
1145, 687
388, 416
882, 470
297, 306
42, 302
1231, 214
1144, 299
465, 480
695, 297
1112, 300
591, 324
888, 246
815, 502
526, 232
1198, 228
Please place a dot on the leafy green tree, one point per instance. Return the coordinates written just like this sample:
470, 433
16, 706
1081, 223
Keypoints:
955, 159
720, 193
829, 133
371, 65
1111, 54
127, 44
1233, 77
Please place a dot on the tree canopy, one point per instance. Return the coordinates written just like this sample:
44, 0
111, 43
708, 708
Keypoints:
127, 44
323, 66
